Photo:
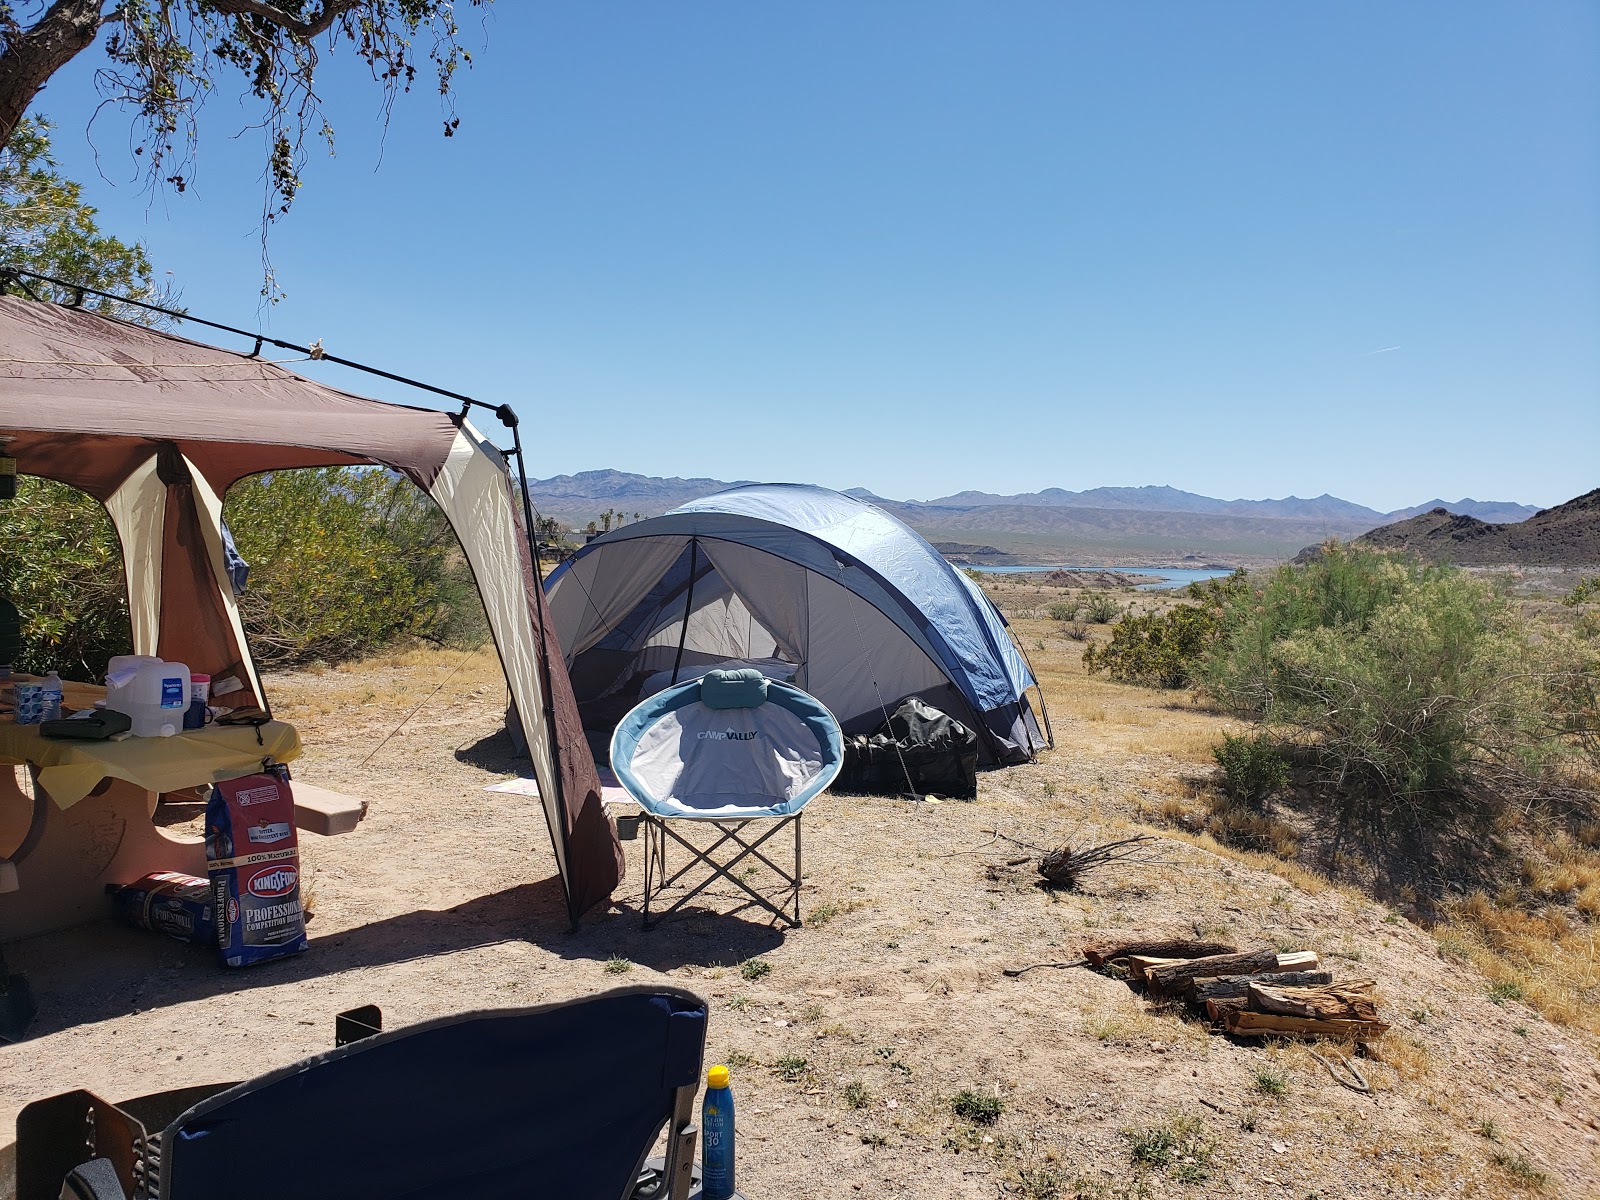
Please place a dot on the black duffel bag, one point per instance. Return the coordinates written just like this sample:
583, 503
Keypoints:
918, 749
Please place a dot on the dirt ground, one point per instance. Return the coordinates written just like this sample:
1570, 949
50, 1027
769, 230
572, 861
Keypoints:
890, 1001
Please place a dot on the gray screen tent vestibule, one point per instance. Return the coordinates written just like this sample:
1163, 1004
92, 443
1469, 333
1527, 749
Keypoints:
157, 428
805, 583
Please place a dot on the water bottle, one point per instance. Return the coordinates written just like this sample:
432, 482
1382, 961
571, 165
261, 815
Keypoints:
50, 706
716, 1134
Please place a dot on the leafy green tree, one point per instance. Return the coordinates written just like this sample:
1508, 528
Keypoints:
1167, 649
45, 226
61, 565
1157, 649
1407, 680
163, 58
345, 560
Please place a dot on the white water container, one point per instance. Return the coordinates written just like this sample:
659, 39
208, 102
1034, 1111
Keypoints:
120, 674
156, 698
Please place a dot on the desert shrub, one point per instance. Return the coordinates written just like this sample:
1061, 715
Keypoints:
1156, 649
1102, 609
61, 565
1408, 678
1077, 631
1065, 610
344, 560
1575, 690
1253, 768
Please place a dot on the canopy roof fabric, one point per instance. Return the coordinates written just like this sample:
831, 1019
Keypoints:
865, 610
88, 398
158, 427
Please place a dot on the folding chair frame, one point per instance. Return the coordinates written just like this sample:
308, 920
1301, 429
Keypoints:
106, 1151
657, 831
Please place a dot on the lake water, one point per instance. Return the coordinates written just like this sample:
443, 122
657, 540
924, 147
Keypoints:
1171, 577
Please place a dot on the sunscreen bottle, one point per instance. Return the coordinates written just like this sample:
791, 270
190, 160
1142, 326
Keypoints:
716, 1133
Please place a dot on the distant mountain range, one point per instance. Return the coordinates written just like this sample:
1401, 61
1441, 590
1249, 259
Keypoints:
619, 489
1567, 535
1151, 525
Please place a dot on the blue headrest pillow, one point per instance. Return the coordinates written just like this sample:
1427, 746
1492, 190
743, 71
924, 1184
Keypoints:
746, 688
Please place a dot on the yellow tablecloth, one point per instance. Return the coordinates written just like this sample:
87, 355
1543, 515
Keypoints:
70, 770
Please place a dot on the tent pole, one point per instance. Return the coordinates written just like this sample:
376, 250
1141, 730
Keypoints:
688, 607
1044, 709
509, 419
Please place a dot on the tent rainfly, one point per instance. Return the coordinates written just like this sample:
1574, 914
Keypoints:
807, 584
157, 428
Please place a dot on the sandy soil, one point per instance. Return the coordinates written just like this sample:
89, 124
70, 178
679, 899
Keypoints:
889, 1002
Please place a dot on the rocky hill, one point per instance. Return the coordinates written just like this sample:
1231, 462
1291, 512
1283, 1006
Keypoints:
1501, 512
1565, 536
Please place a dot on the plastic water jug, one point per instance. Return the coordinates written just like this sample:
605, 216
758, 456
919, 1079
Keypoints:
120, 674
155, 699
716, 1132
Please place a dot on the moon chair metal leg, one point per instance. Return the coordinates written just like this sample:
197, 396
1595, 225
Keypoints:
730, 831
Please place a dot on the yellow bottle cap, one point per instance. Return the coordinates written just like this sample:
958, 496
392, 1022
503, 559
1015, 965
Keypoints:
717, 1077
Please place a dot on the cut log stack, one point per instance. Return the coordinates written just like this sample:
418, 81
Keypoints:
1251, 993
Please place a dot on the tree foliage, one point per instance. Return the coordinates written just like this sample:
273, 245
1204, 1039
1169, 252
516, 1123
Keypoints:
164, 58
1406, 680
1156, 649
1165, 649
61, 565
342, 563
345, 560
45, 226
1403, 680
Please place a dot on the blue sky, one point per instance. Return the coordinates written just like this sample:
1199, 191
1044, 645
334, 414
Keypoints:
1246, 249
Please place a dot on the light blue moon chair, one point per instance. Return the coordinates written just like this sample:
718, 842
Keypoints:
728, 751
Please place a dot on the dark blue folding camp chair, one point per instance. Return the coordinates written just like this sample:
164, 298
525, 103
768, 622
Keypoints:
564, 1100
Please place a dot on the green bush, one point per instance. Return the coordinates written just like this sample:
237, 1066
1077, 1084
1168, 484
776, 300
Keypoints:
1103, 608
1253, 768
61, 565
1408, 678
1065, 610
344, 560
1156, 649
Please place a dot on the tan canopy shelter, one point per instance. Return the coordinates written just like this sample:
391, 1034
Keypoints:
158, 427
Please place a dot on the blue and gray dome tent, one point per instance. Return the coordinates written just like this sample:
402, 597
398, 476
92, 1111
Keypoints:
808, 585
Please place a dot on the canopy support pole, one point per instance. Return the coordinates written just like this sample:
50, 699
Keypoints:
509, 419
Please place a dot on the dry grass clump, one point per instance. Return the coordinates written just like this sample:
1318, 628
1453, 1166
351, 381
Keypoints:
1407, 1056
1201, 809
1551, 961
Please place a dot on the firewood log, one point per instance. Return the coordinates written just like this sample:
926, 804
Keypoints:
1173, 978
1100, 953
1351, 1001
1255, 1024
1225, 986
1138, 964
1300, 960
1219, 1007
